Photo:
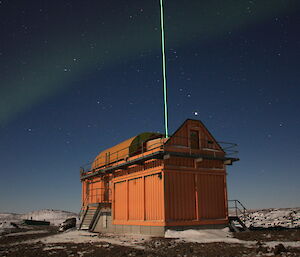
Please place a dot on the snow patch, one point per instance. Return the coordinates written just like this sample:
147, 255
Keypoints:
205, 236
268, 218
5, 225
57, 247
79, 236
28, 233
272, 244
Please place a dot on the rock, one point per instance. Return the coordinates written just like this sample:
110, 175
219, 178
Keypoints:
258, 243
261, 249
67, 224
279, 249
14, 225
157, 244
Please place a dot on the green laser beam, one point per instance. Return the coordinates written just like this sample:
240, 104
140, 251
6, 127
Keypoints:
164, 67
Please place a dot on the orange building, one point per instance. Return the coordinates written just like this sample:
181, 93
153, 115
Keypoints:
149, 183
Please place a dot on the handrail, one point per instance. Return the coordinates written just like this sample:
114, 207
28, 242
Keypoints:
83, 206
239, 208
229, 150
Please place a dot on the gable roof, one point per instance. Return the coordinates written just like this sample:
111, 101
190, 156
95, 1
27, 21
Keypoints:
201, 124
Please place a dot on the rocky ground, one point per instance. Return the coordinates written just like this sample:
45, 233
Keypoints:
36, 241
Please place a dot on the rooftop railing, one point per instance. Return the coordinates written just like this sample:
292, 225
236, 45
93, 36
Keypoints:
161, 144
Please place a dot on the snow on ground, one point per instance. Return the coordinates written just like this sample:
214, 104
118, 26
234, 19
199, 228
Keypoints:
9, 217
288, 218
79, 236
55, 247
272, 244
205, 236
30, 232
55, 217
5, 225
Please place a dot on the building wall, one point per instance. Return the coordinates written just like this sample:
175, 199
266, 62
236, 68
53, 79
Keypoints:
138, 198
96, 190
195, 197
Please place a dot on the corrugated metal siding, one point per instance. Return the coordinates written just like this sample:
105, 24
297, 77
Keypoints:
180, 196
180, 161
114, 153
211, 164
181, 137
154, 197
211, 194
96, 192
136, 199
120, 193
83, 193
145, 199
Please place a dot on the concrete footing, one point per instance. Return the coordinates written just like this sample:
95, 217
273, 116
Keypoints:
104, 225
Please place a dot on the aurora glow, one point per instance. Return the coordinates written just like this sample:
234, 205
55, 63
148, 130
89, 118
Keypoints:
51, 68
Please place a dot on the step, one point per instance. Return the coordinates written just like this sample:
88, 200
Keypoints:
236, 219
88, 218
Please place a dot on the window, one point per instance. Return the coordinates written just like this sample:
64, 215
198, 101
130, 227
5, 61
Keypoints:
194, 139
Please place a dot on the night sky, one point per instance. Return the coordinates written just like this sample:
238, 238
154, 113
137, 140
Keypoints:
77, 77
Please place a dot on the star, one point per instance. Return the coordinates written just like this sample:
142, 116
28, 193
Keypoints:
196, 113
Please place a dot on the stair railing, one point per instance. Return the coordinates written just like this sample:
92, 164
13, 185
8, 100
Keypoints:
83, 207
239, 209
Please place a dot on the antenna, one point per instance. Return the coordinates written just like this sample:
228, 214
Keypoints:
164, 67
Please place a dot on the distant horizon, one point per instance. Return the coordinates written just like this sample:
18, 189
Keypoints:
35, 210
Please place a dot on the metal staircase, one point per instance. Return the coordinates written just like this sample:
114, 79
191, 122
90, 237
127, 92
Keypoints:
233, 221
89, 216
238, 216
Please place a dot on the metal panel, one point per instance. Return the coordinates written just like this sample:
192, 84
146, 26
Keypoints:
112, 154
136, 199
120, 191
129, 147
96, 192
180, 196
211, 195
154, 197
